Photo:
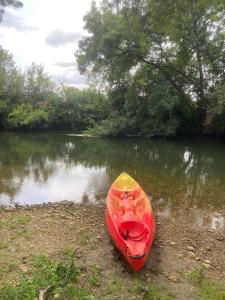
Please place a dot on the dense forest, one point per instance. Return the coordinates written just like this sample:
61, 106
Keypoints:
160, 66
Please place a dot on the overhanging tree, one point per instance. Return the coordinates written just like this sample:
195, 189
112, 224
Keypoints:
10, 3
181, 42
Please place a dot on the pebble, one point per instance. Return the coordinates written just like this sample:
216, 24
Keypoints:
172, 243
62, 215
158, 223
192, 254
180, 255
219, 238
190, 248
197, 258
99, 237
23, 268
207, 266
208, 261
173, 278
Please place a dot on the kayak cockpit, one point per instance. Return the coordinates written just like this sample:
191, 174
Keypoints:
133, 231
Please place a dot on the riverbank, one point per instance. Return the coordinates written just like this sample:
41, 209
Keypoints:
179, 249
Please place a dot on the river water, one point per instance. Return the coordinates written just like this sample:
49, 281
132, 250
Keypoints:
178, 174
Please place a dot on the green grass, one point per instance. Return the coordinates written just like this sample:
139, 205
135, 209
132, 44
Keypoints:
84, 240
7, 267
195, 277
152, 293
3, 246
114, 287
61, 276
94, 278
207, 290
21, 220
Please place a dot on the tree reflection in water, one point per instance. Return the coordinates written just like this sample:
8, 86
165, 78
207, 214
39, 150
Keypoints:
55, 167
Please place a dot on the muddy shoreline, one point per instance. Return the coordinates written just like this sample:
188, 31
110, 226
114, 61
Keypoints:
49, 229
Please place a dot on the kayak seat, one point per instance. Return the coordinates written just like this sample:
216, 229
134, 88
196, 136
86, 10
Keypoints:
133, 230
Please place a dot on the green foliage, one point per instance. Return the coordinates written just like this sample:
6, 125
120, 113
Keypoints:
58, 275
161, 60
32, 101
78, 110
215, 119
24, 115
208, 290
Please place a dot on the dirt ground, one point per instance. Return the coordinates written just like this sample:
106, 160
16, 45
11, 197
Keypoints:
179, 247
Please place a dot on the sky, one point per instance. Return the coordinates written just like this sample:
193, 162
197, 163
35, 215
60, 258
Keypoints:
46, 32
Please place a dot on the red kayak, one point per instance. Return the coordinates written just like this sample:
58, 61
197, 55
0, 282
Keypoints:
130, 220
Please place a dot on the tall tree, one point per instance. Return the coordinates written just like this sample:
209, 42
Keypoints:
10, 85
180, 43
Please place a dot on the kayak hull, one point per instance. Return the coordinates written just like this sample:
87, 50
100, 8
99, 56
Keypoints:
130, 220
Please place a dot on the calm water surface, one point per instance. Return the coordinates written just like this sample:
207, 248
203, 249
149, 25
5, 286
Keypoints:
178, 174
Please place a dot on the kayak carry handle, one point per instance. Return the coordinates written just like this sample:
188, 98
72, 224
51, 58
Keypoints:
137, 256
127, 195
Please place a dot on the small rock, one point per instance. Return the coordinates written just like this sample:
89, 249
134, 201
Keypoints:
208, 261
144, 289
197, 258
207, 266
23, 268
191, 254
172, 243
190, 248
173, 278
180, 255
219, 238
9, 209
158, 223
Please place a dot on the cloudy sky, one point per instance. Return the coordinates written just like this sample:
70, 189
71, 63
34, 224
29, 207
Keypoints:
46, 32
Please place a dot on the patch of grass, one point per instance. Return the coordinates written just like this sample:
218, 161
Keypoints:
153, 293
94, 278
8, 267
44, 272
3, 246
208, 290
195, 277
21, 220
84, 240
2, 223
72, 292
115, 287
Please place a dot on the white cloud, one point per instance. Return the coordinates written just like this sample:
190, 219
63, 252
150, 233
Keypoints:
59, 38
12, 20
46, 32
